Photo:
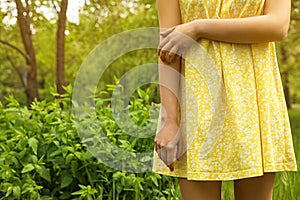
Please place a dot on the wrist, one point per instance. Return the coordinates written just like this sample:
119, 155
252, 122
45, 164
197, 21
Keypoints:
171, 119
197, 28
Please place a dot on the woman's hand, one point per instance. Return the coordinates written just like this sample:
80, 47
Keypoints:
167, 140
176, 41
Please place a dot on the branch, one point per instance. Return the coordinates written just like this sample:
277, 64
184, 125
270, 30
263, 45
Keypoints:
55, 7
297, 18
16, 48
23, 79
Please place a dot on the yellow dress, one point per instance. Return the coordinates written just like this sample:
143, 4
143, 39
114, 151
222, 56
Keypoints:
234, 112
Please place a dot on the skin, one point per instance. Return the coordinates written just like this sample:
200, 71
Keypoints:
169, 16
271, 26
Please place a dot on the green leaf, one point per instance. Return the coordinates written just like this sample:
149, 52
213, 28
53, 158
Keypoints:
69, 158
17, 192
27, 168
23, 143
33, 143
55, 153
74, 167
19, 122
65, 195
66, 181
5, 147
154, 180
9, 191
44, 173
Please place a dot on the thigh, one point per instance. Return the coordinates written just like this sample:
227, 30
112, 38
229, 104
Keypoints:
200, 190
258, 188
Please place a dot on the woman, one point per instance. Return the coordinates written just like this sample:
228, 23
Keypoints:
254, 140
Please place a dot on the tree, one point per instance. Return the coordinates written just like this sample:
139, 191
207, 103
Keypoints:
288, 53
60, 46
31, 86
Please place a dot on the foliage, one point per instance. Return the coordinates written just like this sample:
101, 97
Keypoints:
99, 20
43, 157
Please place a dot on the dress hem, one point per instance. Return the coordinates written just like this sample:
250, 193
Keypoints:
215, 176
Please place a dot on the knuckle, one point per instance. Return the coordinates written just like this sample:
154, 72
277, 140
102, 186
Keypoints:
169, 147
162, 145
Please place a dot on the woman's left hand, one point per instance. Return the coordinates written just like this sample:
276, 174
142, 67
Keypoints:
176, 41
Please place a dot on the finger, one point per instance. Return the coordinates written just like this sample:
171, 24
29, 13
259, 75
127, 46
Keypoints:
158, 51
179, 150
160, 152
164, 155
169, 46
173, 54
170, 158
171, 166
164, 57
163, 42
169, 51
166, 32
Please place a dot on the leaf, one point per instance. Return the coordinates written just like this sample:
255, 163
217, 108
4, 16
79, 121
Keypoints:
9, 191
44, 173
17, 192
74, 167
69, 158
47, 198
19, 122
33, 143
65, 195
23, 143
146, 158
55, 153
5, 147
27, 168
66, 181
154, 180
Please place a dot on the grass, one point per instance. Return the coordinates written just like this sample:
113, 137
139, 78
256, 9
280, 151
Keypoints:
287, 184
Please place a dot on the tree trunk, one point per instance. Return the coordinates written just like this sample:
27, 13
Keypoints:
24, 25
60, 47
285, 78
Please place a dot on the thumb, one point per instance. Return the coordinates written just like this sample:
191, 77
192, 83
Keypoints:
179, 149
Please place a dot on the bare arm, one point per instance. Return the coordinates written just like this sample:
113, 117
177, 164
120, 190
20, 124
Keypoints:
169, 15
271, 26
167, 140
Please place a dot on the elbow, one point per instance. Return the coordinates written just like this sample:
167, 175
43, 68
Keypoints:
277, 27
281, 29
281, 33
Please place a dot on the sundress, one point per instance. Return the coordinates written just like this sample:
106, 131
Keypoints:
234, 112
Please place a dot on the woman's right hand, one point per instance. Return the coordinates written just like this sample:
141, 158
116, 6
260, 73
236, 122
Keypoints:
168, 139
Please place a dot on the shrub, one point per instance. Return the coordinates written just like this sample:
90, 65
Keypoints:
42, 155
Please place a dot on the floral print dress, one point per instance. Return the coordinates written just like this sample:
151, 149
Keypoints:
234, 114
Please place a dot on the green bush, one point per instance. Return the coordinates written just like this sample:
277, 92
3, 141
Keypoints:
42, 155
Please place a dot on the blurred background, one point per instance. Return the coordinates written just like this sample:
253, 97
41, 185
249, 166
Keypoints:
53, 37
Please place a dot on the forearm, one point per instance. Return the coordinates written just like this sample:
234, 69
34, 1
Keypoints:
169, 79
272, 25
256, 29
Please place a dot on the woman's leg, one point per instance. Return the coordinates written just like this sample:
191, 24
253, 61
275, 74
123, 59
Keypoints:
200, 190
258, 188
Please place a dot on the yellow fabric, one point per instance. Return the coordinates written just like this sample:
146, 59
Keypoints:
234, 104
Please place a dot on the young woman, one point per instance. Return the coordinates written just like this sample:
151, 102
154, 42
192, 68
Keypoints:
254, 140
